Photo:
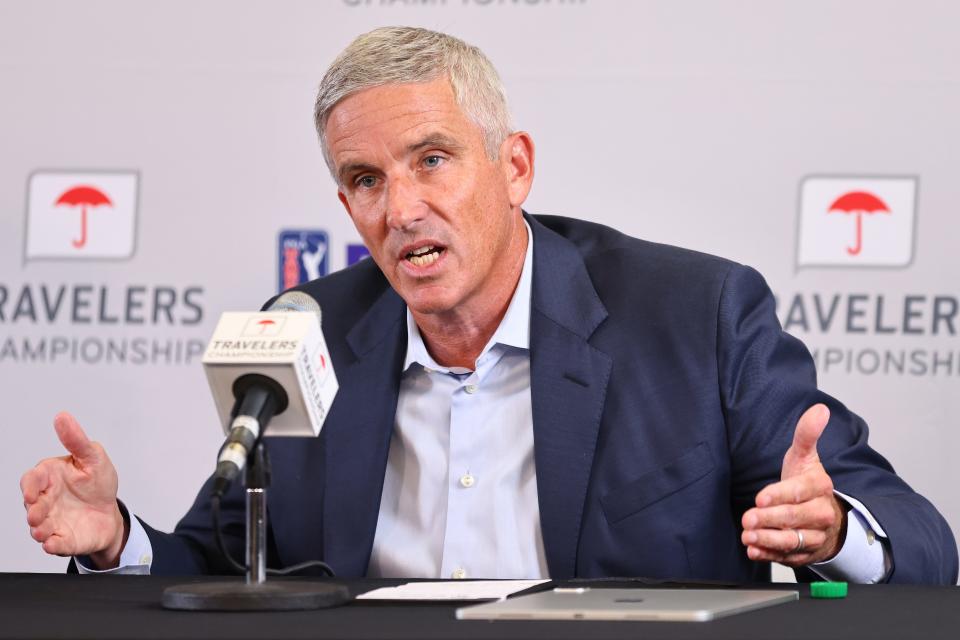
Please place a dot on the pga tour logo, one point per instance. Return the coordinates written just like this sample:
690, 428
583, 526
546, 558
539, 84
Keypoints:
81, 214
856, 221
302, 256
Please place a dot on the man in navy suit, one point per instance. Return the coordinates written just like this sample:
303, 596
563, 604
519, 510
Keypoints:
526, 396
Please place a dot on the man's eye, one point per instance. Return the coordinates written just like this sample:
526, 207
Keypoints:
432, 162
367, 182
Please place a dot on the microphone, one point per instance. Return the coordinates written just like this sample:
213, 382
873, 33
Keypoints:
269, 367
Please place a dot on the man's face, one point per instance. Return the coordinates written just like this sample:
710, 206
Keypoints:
439, 217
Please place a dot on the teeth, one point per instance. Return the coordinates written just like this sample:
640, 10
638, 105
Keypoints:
424, 255
422, 261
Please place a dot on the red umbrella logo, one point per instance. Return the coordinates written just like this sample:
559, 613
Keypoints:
266, 324
83, 197
859, 203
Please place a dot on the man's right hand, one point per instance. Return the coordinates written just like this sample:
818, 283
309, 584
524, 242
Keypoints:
71, 501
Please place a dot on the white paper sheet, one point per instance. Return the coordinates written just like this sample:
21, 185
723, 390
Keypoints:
452, 590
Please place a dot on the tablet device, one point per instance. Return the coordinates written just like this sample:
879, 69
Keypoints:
584, 603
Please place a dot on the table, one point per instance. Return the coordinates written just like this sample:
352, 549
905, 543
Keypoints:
73, 606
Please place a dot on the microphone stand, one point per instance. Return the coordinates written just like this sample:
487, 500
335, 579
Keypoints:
255, 593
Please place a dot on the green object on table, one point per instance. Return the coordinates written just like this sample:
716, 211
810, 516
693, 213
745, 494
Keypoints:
828, 589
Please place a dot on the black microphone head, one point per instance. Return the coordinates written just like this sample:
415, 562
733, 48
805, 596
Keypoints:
296, 301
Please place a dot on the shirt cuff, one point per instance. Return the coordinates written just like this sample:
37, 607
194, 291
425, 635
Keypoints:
862, 559
137, 554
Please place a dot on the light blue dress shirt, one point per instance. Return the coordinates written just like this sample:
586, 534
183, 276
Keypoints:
460, 491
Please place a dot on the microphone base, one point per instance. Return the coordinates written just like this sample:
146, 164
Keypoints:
266, 596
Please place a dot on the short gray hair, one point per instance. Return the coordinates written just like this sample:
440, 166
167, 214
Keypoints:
403, 55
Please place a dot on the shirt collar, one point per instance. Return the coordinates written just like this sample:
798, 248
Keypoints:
513, 331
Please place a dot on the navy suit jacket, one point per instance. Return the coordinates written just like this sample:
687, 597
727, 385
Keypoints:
664, 393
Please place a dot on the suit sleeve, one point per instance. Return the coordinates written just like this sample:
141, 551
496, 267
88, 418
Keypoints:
767, 380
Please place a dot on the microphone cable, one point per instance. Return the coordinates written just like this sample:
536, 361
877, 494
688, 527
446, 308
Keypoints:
242, 568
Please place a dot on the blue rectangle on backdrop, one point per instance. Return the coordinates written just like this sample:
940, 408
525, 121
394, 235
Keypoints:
356, 253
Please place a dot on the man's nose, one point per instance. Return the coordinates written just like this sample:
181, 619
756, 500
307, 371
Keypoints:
404, 204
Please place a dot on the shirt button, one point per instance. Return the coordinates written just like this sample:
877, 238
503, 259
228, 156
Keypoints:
871, 536
470, 388
458, 574
467, 480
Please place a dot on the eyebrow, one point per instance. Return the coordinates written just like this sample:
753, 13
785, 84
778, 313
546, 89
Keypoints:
435, 140
430, 140
353, 167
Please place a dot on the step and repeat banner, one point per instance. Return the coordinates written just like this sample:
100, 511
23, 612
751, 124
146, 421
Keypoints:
158, 166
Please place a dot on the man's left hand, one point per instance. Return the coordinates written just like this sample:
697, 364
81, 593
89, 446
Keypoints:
797, 521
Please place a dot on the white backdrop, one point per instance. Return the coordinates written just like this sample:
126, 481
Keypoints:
692, 123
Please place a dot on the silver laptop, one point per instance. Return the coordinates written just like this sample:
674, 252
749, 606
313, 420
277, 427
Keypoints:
585, 603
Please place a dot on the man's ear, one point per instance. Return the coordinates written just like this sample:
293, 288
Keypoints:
346, 205
516, 155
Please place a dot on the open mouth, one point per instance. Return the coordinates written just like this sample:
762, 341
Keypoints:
424, 256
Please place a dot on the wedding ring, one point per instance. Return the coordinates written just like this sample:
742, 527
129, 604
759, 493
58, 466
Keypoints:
799, 546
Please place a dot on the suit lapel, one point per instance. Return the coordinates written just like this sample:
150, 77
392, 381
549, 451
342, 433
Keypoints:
358, 435
568, 382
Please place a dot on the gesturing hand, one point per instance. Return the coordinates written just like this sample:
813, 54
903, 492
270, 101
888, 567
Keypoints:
797, 521
71, 501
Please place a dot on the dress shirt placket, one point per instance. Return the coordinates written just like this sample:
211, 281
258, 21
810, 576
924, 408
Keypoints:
466, 551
